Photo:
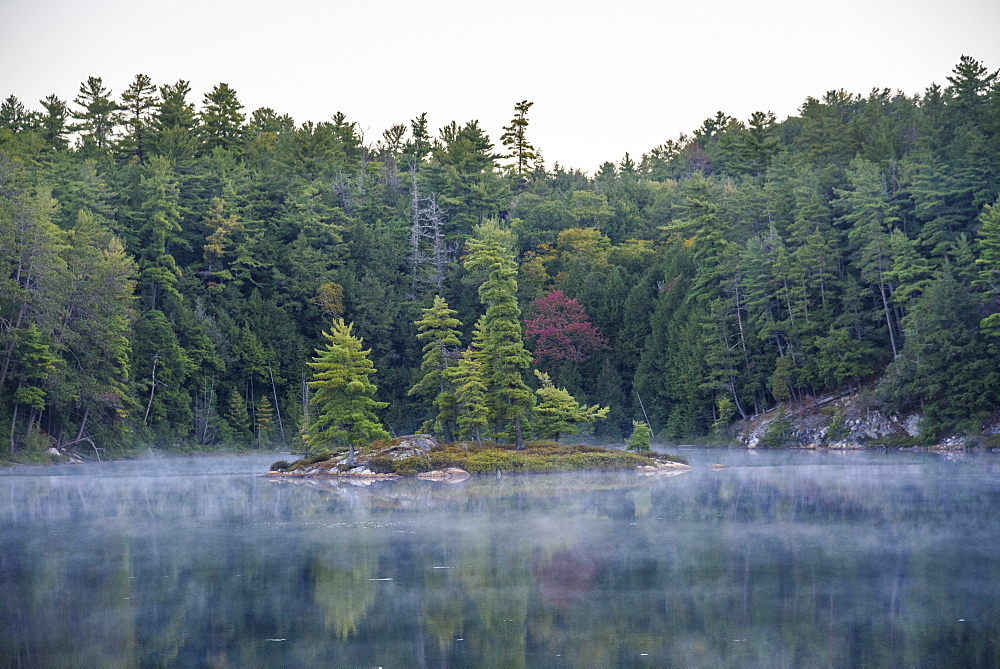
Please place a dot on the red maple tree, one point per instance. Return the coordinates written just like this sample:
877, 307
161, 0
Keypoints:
560, 330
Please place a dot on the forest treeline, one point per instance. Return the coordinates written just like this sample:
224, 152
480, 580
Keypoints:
168, 268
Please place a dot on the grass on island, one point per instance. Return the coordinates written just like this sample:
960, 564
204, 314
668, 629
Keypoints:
537, 456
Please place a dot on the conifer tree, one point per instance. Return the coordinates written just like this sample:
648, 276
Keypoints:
221, 118
557, 412
871, 217
97, 117
263, 419
514, 137
174, 122
160, 230
138, 103
462, 172
469, 381
988, 265
344, 400
504, 354
14, 116
36, 363
639, 439
439, 332
53, 123
238, 415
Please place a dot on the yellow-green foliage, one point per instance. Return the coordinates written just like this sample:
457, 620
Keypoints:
537, 456
542, 456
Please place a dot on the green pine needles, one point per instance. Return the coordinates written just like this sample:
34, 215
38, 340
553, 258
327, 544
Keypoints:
345, 394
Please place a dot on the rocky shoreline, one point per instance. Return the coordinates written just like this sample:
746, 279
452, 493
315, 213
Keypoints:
378, 465
843, 422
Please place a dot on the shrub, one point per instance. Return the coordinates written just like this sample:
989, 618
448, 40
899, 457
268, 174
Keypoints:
280, 466
382, 465
837, 428
778, 432
639, 441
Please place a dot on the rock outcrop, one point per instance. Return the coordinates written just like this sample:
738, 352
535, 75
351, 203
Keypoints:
835, 422
400, 448
449, 475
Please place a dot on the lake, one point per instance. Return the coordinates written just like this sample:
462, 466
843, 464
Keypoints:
781, 559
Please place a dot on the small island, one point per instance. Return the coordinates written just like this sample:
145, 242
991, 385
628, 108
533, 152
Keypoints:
421, 455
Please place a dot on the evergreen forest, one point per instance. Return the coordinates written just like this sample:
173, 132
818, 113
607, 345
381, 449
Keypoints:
171, 270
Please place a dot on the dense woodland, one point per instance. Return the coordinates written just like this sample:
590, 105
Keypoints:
169, 268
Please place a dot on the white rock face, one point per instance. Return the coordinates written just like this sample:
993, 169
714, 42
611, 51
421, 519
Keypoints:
809, 425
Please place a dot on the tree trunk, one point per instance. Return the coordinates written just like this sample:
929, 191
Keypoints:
152, 389
888, 319
13, 423
277, 409
83, 424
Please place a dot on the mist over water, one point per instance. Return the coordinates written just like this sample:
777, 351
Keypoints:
783, 559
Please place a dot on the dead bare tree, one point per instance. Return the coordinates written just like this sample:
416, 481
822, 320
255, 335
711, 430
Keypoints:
430, 253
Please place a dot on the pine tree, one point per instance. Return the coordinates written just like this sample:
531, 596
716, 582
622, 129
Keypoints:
222, 120
175, 122
97, 323
344, 400
514, 137
469, 381
639, 439
970, 85
97, 118
951, 375
757, 145
988, 265
14, 116
54, 122
557, 412
36, 363
263, 420
160, 230
439, 332
462, 172
138, 103
238, 415
504, 354
871, 217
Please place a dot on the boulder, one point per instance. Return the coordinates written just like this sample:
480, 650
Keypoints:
407, 447
663, 469
450, 475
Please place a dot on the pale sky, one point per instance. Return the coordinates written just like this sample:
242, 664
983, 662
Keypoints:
606, 78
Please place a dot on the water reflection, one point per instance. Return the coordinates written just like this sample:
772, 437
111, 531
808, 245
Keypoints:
781, 559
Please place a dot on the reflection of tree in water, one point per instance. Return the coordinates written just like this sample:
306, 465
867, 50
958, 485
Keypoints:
801, 566
564, 576
441, 612
344, 594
